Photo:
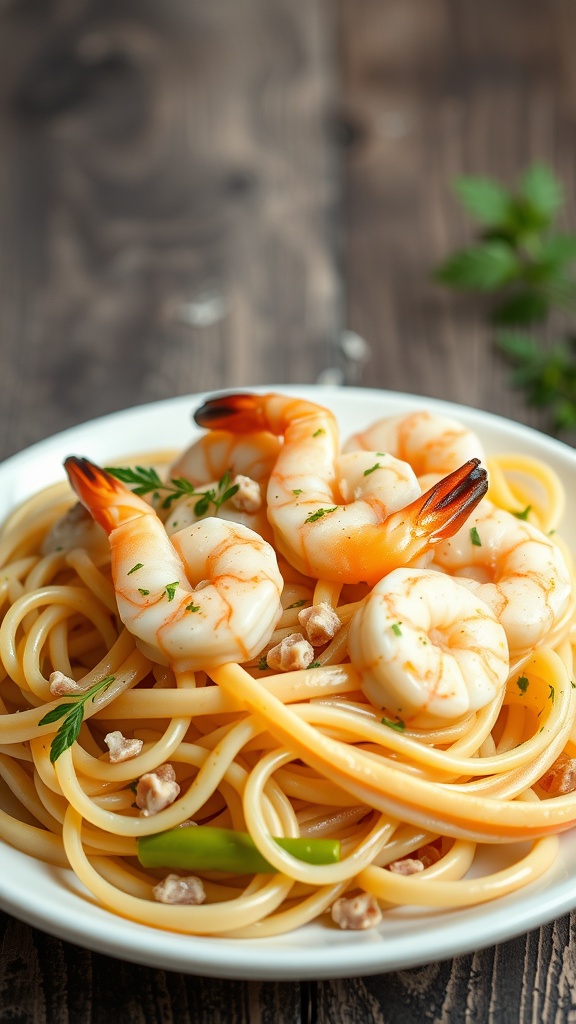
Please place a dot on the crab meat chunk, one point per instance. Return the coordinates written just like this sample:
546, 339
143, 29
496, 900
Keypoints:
156, 790
357, 912
176, 889
320, 622
121, 748
293, 652
248, 497
62, 685
406, 866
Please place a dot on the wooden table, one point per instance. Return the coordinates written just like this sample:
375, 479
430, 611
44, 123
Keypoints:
197, 195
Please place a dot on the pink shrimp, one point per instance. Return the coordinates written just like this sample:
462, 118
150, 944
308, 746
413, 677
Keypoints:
315, 529
208, 595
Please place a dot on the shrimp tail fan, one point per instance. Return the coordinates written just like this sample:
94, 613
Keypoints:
100, 492
441, 511
241, 411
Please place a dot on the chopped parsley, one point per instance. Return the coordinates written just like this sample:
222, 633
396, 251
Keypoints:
297, 490
522, 683
143, 592
192, 607
171, 590
263, 664
395, 627
319, 513
297, 604
524, 513
475, 537
314, 664
139, 565
318, 432
372, 469
399, 726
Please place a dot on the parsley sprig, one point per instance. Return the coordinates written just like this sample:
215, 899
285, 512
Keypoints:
73, 715
546, 375
145, 480
517, 252
520, 256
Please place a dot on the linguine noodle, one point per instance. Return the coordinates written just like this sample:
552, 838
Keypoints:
274, 754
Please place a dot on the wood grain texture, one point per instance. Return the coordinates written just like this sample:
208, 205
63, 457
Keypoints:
167, 203
433, 89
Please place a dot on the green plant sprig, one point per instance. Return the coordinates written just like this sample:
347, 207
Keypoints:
73, 715
547, 376
144, 481
529, 266
517, 252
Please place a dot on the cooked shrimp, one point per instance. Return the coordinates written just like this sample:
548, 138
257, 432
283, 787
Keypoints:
425, 646
218, 451
208, 595
514, 567
247, 458
315, 528
429, 442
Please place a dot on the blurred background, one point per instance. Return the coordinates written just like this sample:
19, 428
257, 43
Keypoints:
197, 194
205, 194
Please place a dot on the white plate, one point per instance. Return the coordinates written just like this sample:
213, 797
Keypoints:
52, 900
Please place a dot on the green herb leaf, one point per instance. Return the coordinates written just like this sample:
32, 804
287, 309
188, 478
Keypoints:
399, 726
192, 607
171, 590
527, 306
146, 481
73, 714
558, 250
56, 713
487, 200
485, 266
522, 683
319, 513
475, 537
372, 469
201, 507
395, 627
548, 376
544, 193
524, 513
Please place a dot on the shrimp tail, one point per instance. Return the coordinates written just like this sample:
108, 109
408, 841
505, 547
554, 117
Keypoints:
441, 511
242, 412
108, 501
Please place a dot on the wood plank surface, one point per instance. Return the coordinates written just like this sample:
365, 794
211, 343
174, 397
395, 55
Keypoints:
434, 89
182, 209
166, 201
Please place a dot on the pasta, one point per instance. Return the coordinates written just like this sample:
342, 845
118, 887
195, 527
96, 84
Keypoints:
112, 743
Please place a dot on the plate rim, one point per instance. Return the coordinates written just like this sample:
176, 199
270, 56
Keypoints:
280, 959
